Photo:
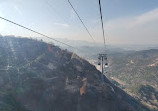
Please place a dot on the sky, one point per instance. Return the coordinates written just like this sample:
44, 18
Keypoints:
125, 21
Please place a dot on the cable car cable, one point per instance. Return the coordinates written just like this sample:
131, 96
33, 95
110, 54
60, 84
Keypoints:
36, 32
101, 17
81, 20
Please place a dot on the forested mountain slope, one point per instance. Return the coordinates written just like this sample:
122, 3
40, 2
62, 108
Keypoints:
36, 76
137, 73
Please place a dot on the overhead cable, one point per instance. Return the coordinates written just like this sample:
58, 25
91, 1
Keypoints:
36, 32
81, 20
101, 16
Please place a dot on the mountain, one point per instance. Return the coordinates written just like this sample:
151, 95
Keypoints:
37, 76
131, 70
88, 49
141, 66
137, 73
96, 47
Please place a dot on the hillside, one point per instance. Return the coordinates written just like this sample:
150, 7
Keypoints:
133, 71
36, 76
141, 66
137, 73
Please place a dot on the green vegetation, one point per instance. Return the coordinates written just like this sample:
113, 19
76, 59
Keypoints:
139, 71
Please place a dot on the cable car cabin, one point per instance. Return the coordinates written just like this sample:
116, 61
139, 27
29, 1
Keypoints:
106, 64
99, 63
99, 59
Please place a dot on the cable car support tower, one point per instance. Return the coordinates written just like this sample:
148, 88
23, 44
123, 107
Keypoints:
102, 59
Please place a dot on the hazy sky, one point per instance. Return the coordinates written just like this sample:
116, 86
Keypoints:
126, 21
